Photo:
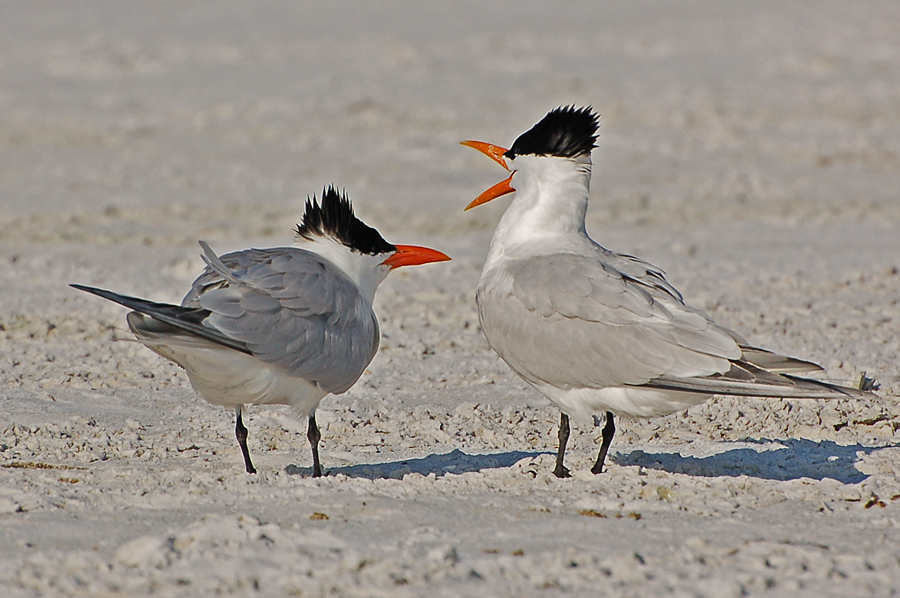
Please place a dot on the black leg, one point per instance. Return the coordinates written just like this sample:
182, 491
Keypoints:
241, 432
561, 470
608, 430
313, 435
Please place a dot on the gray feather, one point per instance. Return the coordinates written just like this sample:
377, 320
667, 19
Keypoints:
292, 309
604, 320
777, 363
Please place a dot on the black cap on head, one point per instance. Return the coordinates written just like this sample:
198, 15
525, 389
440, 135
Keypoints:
566, 132
335, 218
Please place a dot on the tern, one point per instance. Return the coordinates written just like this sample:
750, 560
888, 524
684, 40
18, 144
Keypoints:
286, 325
594, 330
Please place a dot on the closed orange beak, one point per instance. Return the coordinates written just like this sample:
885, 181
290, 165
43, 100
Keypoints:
413, 255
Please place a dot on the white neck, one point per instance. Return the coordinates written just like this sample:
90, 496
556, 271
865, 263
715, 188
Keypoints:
366, 271
547, 213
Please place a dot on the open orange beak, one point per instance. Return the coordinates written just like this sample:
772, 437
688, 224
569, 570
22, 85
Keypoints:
495, 153
498, 190
413, 255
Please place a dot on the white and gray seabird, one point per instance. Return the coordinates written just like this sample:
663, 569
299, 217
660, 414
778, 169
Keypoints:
284, 326
594, 330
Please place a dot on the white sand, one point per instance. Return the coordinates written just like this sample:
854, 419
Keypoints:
752, 152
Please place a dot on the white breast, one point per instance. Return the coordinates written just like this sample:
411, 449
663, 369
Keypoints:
230, 378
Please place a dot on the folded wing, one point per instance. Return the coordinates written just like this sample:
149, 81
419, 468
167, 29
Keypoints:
575, 321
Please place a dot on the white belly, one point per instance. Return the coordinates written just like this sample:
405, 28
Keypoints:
583, 403
230, 378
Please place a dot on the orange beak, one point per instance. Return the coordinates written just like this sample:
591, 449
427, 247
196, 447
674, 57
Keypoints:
498, 190
413, 255
494, 152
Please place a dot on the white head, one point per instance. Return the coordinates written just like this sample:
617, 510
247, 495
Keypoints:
550, 169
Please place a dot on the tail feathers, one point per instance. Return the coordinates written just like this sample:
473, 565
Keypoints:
745, 379
184, 319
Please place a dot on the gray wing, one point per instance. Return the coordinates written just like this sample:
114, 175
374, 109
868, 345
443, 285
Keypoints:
574, 321
644, 273
292, 309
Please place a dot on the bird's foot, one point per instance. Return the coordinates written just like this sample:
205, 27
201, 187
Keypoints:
562, 471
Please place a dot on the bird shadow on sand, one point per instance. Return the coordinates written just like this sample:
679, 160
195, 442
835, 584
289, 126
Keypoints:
774, 460
455, 462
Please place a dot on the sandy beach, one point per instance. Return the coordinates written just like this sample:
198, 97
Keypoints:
752, 151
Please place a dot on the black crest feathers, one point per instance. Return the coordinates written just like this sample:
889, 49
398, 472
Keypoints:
334, 217
566, 132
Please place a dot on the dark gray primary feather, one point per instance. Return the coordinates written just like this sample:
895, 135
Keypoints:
179, 318
744, 379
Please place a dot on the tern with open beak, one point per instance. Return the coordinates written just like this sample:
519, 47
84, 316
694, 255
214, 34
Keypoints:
594, 330
284, 326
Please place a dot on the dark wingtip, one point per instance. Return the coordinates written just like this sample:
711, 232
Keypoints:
104, 294
81, 287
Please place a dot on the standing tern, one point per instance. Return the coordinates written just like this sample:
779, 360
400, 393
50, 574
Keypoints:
594, 330
284, 326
